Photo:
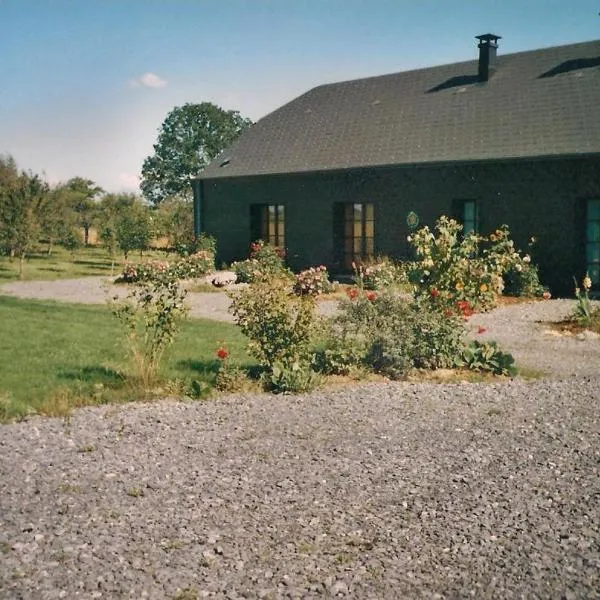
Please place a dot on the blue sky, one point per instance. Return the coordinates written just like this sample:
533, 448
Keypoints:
85, 84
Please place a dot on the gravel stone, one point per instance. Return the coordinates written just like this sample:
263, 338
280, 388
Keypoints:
381, 490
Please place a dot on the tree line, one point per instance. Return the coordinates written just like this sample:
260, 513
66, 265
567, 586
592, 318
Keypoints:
33, 212
35, 216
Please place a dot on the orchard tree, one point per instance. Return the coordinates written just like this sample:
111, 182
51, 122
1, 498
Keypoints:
21, 199
58, 220
176, 222
9, 172
83, 193
190, 137
111, 208
133, 229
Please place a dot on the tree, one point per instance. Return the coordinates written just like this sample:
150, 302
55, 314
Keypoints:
83, 193
176, 222
58, 219
190, 136
133, 229
20, 202
110, 210
9, 172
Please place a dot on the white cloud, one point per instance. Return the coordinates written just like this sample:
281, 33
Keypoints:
150, 80
130, 181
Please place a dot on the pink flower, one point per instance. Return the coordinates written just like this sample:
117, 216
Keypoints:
546, 295
481, 329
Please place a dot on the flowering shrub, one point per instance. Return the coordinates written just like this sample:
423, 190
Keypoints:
450, 268
230, 378
377, 275
151, 315
280, 327
312, 282
147, 271
189, 267
264, 262
195, 265
391, 335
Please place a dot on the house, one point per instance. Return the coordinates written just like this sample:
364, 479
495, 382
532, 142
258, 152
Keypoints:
347, 170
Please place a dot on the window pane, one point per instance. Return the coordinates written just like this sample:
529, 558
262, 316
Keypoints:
593, 231
469, 212
369, 212
593, 209
370, 229
370, 246
358, 211
468, 226
593, 253
357, 229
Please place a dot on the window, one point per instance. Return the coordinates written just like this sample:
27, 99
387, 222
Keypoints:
359, 233
469, 217
267, 223
592, 241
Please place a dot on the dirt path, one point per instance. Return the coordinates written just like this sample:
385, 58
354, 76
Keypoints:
97, 290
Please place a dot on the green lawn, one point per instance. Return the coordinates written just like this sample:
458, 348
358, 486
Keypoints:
92, 260
56, 356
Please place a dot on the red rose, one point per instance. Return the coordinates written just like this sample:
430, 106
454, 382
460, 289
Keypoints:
352, 293
371, 296
222, 353
434, 292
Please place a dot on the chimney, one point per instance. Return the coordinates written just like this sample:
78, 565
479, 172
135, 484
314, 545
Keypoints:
488, 44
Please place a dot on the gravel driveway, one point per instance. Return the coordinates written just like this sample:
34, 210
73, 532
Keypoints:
394, 490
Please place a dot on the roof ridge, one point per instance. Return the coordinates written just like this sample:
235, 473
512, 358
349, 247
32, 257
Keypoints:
453, 64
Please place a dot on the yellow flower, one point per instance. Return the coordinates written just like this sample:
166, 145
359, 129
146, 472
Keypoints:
483, 288
459, 286
493, 237
587, 282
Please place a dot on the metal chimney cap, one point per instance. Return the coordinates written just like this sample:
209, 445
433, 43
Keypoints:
488, 37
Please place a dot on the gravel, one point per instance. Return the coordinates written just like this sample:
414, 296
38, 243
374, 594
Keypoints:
383, 490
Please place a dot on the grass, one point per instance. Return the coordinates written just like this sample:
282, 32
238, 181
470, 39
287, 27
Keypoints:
88, 261
56, 356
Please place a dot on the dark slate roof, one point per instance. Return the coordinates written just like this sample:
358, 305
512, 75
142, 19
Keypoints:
538, 103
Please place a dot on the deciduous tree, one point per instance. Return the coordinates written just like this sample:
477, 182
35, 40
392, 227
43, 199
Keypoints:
20, 202
190, 136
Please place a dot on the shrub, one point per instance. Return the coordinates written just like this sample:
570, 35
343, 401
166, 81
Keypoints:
393, 334
312, 282
230, 378
292, 378
151, 315
195, 265
248, 271
486, 356
189, 267
452, 268
134, 273
279, 325
264, 262
523, 280
378, 274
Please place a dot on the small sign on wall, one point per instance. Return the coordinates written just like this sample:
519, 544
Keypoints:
412, 220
